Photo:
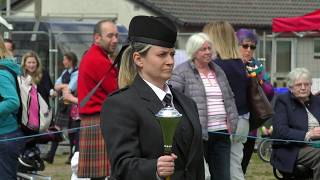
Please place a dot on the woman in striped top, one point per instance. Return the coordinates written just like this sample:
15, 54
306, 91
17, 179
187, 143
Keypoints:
206, 83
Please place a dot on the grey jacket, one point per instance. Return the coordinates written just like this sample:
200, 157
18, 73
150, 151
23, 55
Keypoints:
187, 80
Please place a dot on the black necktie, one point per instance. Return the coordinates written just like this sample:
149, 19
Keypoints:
167, 100
66, 77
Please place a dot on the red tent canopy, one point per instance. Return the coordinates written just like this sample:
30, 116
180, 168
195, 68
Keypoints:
308, 22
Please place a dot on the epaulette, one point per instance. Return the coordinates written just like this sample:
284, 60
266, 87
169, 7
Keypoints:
119, 90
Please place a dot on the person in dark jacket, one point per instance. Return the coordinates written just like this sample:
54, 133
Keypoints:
130, 128
38, 78
31, 67
297, 117
248, 41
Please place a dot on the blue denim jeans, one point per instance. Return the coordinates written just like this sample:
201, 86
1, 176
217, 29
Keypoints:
9, 152
217, 155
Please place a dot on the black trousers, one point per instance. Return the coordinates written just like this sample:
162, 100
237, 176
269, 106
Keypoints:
247, 153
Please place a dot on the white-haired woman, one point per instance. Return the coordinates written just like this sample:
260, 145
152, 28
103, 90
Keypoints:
297, 117
206, 83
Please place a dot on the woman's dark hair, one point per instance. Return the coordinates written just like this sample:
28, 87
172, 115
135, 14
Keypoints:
72, 57
11, 42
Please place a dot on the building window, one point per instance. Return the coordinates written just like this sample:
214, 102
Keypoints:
266, 61
283, 56
316, 49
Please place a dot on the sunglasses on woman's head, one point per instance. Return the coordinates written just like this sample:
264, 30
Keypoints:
246, 46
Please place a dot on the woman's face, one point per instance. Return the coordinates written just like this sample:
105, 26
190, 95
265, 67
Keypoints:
247, 48
204, 54
31, 65
301, 89
67, 63
157, 65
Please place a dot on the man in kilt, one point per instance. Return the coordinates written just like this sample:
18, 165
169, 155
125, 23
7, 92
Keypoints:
95, 65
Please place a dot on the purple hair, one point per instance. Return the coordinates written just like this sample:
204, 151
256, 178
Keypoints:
246, 34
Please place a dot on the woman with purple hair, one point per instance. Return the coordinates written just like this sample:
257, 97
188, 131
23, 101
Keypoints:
248, 40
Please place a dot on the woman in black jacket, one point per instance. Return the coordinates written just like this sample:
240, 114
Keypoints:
297, 118
38, 78
130, 128
31, 67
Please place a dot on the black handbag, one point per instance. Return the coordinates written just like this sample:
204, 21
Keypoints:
260, 108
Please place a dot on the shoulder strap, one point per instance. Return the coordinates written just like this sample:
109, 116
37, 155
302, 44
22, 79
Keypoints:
14, 76
17, 89
8, 69
88, 96
116, 63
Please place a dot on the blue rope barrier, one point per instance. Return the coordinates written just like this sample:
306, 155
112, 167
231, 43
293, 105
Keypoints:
268, 138
94, 126
42, 134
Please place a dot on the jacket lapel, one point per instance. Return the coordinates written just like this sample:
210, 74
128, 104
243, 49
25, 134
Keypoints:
147, 95
190, 114
153, 103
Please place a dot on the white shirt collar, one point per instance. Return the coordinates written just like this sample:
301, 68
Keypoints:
159, 92
70, 70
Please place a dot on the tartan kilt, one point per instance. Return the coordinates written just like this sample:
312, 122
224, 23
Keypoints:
93, 159
63, 118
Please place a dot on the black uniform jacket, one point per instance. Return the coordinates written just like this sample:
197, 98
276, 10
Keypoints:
134, 137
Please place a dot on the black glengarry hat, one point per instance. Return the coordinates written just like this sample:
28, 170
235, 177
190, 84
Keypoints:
159, 31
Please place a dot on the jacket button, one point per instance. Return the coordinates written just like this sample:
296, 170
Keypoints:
186, 169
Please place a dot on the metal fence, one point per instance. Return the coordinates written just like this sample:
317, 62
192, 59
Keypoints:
279, 54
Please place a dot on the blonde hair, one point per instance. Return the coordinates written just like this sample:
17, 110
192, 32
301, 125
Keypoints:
195, 42
224, 39
4, 53
37, 75
128, 69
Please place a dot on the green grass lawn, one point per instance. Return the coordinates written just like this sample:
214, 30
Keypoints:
257, 170
58, 170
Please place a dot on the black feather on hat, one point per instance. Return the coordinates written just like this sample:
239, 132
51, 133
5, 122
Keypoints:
159, 31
